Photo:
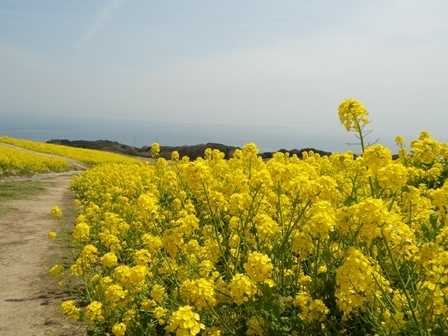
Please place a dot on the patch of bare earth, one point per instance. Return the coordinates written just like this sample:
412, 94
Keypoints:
29, 298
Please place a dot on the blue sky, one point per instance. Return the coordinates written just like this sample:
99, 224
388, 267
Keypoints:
285, 64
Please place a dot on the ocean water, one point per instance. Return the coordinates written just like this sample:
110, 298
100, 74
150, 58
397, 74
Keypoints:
144, 133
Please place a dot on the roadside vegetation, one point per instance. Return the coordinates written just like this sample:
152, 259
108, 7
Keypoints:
17, 162
89, 156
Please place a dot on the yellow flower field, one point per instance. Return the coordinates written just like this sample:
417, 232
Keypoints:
345, 244
18, 162
89, 156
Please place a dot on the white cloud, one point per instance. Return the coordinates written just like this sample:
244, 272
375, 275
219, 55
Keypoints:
104, 15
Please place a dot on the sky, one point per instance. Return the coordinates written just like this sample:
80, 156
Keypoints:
280, 67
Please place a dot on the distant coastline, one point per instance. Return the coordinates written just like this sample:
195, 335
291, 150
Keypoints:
192, 151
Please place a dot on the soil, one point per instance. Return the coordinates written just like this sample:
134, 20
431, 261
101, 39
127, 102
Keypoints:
30, 298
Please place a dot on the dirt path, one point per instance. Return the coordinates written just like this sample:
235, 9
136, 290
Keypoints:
29, 298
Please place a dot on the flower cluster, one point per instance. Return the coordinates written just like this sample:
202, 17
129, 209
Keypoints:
89, 156
17, 162
341, 244
353, 115
185, 321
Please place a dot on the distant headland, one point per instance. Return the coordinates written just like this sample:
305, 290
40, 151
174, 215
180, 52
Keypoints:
193, 151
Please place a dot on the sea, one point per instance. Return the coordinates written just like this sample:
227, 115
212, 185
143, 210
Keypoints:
138, 133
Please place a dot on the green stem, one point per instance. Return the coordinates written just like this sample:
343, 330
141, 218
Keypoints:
359, 130
216, 231
403, 285
250, 213
293, 226
315, 270
218, 316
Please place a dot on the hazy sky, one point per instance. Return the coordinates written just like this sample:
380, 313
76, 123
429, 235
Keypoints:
248, 62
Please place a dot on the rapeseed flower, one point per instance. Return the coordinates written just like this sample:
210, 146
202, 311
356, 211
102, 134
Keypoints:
200, 293
93, 312
89, 254
146, 305
152, 243
155, 150
56, 212
142, 257
399, 140
52, 235
81, 232
119, 329
258, 266
266, 227
185, 321
392, 176
77, 268
358, 282
114, 293
352, 114
109, 259
69, 308
158, 293
311, 310
172, 241
159, 313
57, 271
375, 157
242, 288
321, 221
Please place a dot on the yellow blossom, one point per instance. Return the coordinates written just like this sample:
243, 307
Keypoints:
242, 288
93, 312
159, 313
69, 309
109, 259
258, 266
352, 114
158, 293
310, 309
185, 321
52, 235
56, 212
119, 329
56, 271
200, 293
155, 150
81, 232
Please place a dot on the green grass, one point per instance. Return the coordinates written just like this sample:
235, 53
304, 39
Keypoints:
19, 190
